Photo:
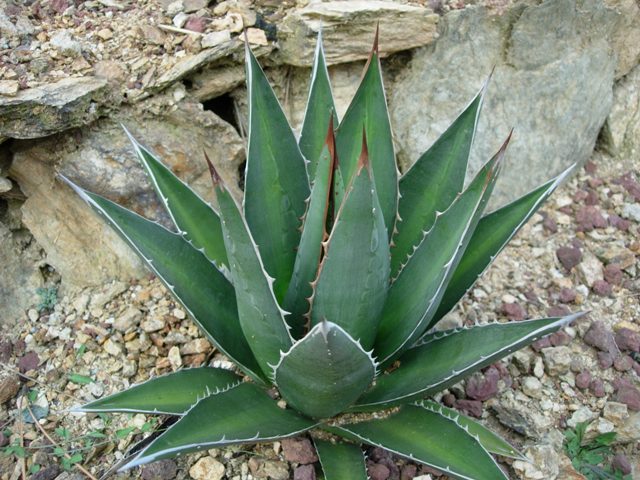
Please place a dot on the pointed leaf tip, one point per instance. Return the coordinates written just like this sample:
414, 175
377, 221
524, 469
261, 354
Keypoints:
376, 38
215, 176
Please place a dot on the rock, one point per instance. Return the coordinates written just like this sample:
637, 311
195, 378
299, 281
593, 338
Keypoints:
557, 360
532, 71
627, 340
160, 470
215, 38
408, 472
356, 21
48, 472
623, 363
544, 464
602, 288
613, 274
514, 311
600, 337
194, 5
152, 34
626, 35
590, 269
174, 358
470, 407
377, 471
127, 320
590, 217
9, 88
629, 395
605, 360
105, 296
207, 468
152, 325
615, 412
621, 462
581, 415
29, 361
532, 387
569, 257
274, 470
304, 472
583, 380
113, 348
483, 387
109, 70
105, 34
64, 42
622, 130
79, 244
199, 345
256, 36
54, 107
211, 83
195, 24
596, 387
631, 211
9, 386
567, 295
299, 450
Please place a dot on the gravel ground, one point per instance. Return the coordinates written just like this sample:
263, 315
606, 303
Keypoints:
580, 253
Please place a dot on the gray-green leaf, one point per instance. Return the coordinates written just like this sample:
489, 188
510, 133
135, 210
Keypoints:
341, 460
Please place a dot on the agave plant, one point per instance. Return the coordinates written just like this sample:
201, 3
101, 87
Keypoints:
325, 286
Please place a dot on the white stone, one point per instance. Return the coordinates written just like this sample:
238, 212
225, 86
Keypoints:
215, 38
207, 468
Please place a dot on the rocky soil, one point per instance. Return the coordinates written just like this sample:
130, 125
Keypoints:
580, 253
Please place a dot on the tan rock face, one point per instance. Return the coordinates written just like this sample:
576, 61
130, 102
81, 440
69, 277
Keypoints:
347, 30
79, 244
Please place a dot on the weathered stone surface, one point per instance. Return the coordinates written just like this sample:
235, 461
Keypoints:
623, 125
355, 21
211, 83
626, 35
79, 245
552, 62
52, 108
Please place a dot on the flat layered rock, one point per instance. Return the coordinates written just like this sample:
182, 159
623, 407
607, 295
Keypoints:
355, 21
51, 108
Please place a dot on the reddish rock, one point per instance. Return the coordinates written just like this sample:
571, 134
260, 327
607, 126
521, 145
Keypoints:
195, 24
408, 472
560, 338
299, 450
558, 311
378, 471
483, 387
613, 274
628, 340
304, 472
597, 388
514, 311
29, 361
449, 400
160, 470
628, 394
384, 457
4, 439
59, 6
621, 462
600, 337
602, 288
629, 184
605, 360
588, 218
550, 225
583, 380
471, 407
619, 223
569, 257
591, 167
567, 295
540, 344
623, 363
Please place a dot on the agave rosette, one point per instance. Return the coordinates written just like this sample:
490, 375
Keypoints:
327, 284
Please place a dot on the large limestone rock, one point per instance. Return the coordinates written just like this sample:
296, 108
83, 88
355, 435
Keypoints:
51, 108
78, 244
622, 135
554, 73
347, 29
626, 35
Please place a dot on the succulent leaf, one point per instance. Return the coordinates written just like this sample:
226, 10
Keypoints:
195, 282
491, 235
368, 111
171, 394
433, 182
341, 460
444, 358
194, 217
357, 248
276, 182
428, 437
214, 422
489, 440
415, 294
342, 371
313, 233
261, 318
320, 109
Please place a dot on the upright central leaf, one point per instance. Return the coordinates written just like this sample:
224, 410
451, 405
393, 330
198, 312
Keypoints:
325, 372
368, 111
276, 183
352, 281
261, 318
